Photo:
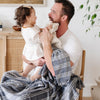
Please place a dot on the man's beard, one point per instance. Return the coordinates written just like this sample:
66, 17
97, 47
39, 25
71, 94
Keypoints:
51, 19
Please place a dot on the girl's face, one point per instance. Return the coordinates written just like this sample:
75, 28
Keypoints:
32, 18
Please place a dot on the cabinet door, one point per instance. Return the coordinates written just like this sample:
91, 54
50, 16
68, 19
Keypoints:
14, 54
1, 57
11, 54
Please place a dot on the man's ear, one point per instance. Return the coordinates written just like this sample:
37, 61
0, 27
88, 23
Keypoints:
64, 17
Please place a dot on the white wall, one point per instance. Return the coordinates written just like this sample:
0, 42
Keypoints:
88, 40
90, 43
7, 13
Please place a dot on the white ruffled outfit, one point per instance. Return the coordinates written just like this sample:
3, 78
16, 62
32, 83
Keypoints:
33, 47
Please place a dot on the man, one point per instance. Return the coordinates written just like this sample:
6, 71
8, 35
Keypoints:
62, 12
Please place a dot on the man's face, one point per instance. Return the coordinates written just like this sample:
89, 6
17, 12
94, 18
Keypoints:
55, 14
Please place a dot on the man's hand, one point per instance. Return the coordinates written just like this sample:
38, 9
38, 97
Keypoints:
38, 62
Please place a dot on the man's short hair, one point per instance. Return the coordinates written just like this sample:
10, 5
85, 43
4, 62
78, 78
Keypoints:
68, 8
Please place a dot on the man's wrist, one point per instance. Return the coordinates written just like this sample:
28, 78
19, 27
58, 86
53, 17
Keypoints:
45, 43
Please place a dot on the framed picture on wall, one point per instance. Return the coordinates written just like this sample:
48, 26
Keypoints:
35, 2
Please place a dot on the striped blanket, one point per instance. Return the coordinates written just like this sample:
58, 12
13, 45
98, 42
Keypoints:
62, 87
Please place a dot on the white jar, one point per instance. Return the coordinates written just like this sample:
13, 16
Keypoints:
95, 92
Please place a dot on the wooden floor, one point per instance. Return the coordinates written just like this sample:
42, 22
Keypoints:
87, 98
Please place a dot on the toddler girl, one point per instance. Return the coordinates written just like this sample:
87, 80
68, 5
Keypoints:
26, 18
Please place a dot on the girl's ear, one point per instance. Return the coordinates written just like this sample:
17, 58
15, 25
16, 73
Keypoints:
64, 17
27, 17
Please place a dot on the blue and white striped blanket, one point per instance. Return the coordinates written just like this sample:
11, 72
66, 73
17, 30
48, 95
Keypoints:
62, 87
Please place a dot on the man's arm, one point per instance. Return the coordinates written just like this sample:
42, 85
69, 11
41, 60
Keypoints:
46, 38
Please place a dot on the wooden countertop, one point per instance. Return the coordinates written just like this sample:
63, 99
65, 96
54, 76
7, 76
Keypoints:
10, 32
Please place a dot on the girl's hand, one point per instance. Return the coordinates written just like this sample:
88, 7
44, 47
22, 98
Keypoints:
49, 27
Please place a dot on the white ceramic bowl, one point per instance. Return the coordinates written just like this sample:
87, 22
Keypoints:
16, 28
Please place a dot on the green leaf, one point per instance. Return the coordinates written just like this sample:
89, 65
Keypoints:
92, 22
85, 15
82, 21
97, 6
88, 17
81, 6
87, 2
87, 29
94, 16
99, 34
89, 8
